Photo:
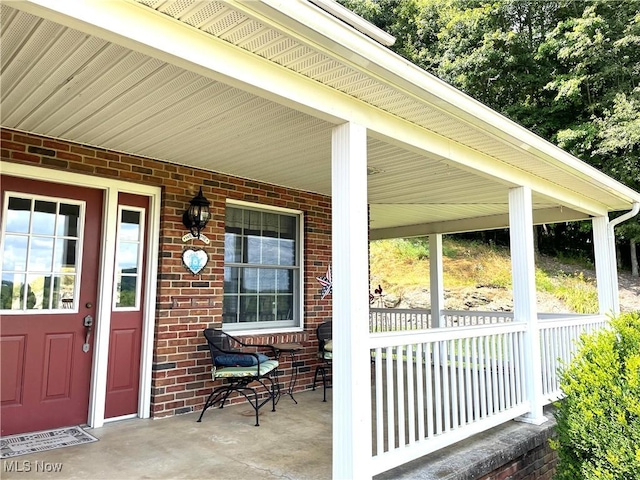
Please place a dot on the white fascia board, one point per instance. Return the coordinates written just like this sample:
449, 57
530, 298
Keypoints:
478, 224
360, 51
356, 21
147, 31
419, 140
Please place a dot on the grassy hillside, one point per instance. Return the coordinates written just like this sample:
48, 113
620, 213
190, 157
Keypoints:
402, 266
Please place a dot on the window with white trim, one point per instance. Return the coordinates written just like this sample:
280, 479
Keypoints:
262, 273
41, 251
129, 248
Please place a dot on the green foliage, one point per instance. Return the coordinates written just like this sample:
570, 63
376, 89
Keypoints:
580, 297
412, 249
449, 250
599, 419
578, 260
577, 292
569, 70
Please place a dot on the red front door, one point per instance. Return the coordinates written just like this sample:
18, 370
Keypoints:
50, 248
125, 337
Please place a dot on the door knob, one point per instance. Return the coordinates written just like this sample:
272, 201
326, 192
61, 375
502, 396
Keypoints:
88, 323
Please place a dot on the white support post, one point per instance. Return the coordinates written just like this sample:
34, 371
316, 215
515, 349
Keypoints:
436, 281
606, 268
524, 296
351, 358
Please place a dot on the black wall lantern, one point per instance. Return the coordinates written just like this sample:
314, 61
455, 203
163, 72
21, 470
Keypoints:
195, 218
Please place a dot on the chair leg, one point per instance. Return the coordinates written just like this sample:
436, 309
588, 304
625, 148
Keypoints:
212, 399
273, 395
327, 378
315, 375
226, 395
256, 407
324, 384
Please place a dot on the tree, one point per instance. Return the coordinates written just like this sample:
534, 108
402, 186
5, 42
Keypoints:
598, 56
566, 69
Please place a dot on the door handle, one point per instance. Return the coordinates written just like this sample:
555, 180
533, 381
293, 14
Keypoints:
88, 324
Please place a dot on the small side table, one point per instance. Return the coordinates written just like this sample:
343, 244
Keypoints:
291, 349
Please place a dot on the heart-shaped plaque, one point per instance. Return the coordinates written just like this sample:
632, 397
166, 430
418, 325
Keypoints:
195, 260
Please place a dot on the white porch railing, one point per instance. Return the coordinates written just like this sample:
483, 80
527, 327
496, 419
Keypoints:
432, 388
401, 319
398, 319
558, 341
465, 318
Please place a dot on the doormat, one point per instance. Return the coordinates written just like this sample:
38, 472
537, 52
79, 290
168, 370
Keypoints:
22, 444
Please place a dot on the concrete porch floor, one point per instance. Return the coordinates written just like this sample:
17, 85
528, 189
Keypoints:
294, 442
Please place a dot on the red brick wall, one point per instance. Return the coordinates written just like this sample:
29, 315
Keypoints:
181, 379
537, 464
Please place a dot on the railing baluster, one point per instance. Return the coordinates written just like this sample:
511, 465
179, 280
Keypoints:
446, 387
482, 379
437, 387
379, 402
453, 378
502, 362
400, 395
494, 374
476, 379
411, 411
487, 375
429, 365
391, 426
521, 379
462, 377
553, 358
467, 380
420, 389
544, 359
512, 370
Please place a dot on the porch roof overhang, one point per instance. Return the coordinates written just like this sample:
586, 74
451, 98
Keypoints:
254, 89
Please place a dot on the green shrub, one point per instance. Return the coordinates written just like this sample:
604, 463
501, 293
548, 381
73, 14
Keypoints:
599, 418
414, 249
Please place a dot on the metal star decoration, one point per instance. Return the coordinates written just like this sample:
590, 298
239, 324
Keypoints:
325, 281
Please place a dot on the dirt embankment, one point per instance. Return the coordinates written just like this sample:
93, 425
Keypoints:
493, 299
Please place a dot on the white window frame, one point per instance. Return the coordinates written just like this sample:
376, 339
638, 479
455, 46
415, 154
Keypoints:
79, 250
249, 328
141, 247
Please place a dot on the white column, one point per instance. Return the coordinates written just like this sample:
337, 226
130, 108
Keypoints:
436, 281
351, 358
524, 295
606, 268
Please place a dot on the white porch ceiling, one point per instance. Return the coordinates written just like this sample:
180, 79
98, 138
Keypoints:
69, 83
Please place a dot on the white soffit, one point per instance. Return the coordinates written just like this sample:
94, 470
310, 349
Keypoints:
244, 24
61, 82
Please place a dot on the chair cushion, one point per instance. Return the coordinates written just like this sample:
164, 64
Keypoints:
227, 372
328, 350
239, 360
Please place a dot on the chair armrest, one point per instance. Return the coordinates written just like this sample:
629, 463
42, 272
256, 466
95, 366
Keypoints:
236, 340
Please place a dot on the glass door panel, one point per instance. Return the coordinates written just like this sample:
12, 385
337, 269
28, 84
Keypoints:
41, 246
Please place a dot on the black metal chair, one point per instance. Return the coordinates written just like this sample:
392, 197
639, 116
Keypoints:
240, 365
325, 355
